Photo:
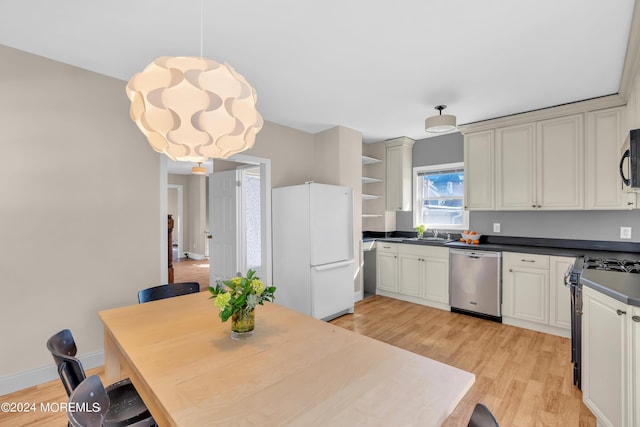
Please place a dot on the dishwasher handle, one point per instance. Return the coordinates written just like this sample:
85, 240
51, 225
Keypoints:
475, 254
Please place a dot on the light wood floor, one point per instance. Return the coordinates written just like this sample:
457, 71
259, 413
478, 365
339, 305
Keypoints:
190, 270
525, 377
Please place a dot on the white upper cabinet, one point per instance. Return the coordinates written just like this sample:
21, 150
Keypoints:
515, 172
604, 138
561, 158
479, 171
560, 163
399, 170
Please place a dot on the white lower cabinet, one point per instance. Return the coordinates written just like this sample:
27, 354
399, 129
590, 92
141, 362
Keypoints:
533, 292
422, 275
605, 358
559, 294
387, 266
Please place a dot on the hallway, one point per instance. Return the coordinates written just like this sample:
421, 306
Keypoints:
192, 270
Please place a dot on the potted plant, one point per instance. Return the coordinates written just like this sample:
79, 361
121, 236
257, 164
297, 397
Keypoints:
421, 229
237, 298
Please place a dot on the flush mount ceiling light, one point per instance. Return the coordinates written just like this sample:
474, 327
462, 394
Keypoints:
193, 108
440, 123
199, 170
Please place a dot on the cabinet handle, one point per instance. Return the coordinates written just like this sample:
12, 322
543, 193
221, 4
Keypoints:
629, 203
620, 312
387, 247
539, 206
528, 260
510, 271
533, 206
635, 318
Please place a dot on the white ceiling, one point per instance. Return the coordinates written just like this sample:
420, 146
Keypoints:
375, 66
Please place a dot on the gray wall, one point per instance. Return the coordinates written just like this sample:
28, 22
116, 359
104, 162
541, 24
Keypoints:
432, 151
583, 225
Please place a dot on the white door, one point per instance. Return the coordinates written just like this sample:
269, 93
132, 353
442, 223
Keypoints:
223, 196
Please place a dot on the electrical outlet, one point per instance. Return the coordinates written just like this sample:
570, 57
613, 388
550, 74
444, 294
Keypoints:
496, 227
625, 232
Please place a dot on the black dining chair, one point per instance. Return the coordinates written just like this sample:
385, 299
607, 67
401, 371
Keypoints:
168, 290
88, 403
126, 405
482, 417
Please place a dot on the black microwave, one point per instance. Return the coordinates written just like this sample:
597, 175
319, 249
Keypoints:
630, 169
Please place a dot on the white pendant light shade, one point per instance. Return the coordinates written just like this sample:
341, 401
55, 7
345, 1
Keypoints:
193, 108
440, 123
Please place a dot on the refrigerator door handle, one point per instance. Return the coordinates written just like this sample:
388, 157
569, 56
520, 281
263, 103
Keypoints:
332, 266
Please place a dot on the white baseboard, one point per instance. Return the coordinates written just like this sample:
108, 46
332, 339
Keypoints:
193, 255
26, 379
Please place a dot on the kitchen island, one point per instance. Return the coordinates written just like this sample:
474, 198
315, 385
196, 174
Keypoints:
295, 370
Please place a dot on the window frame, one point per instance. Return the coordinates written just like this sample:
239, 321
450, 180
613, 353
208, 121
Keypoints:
418, 202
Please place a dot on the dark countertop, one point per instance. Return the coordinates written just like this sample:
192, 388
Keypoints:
624, 287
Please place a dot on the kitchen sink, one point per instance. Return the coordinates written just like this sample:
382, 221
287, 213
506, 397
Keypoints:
428, 239
415, 239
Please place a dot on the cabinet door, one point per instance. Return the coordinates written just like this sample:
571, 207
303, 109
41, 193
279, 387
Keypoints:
387, 271
560, 163
604, 356
559, 294
399, 173
526, 292
604, 137
478, 170
515, 172
635, 366
436, 283
410, 274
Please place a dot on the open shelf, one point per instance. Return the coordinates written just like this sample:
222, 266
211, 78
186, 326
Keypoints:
370, 197
368, 180
366, 160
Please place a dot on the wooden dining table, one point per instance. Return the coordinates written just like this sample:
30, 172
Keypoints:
295, 370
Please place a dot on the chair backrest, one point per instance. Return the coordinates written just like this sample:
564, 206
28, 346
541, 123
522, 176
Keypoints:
482, 417
88, 403
167, 291
63, 349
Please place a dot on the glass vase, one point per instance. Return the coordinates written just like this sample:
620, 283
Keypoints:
242, 324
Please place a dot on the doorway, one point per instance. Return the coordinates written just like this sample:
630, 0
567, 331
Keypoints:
175, 202
247, 162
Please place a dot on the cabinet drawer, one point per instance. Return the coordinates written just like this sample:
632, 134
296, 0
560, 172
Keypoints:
513, 259
387, 247
425, 251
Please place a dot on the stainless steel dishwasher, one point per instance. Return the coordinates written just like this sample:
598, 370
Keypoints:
475, 283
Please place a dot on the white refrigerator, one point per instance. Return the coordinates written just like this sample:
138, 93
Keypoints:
313, 265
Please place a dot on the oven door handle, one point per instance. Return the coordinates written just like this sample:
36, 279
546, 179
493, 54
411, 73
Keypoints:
567, 276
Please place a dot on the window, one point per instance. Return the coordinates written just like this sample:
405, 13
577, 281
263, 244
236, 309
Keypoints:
438, 197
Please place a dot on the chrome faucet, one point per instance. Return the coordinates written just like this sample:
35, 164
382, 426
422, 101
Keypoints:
435, 234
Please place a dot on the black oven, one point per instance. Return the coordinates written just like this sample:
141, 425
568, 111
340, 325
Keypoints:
572, 280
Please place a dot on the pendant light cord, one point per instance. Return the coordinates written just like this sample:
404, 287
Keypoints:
201, 25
